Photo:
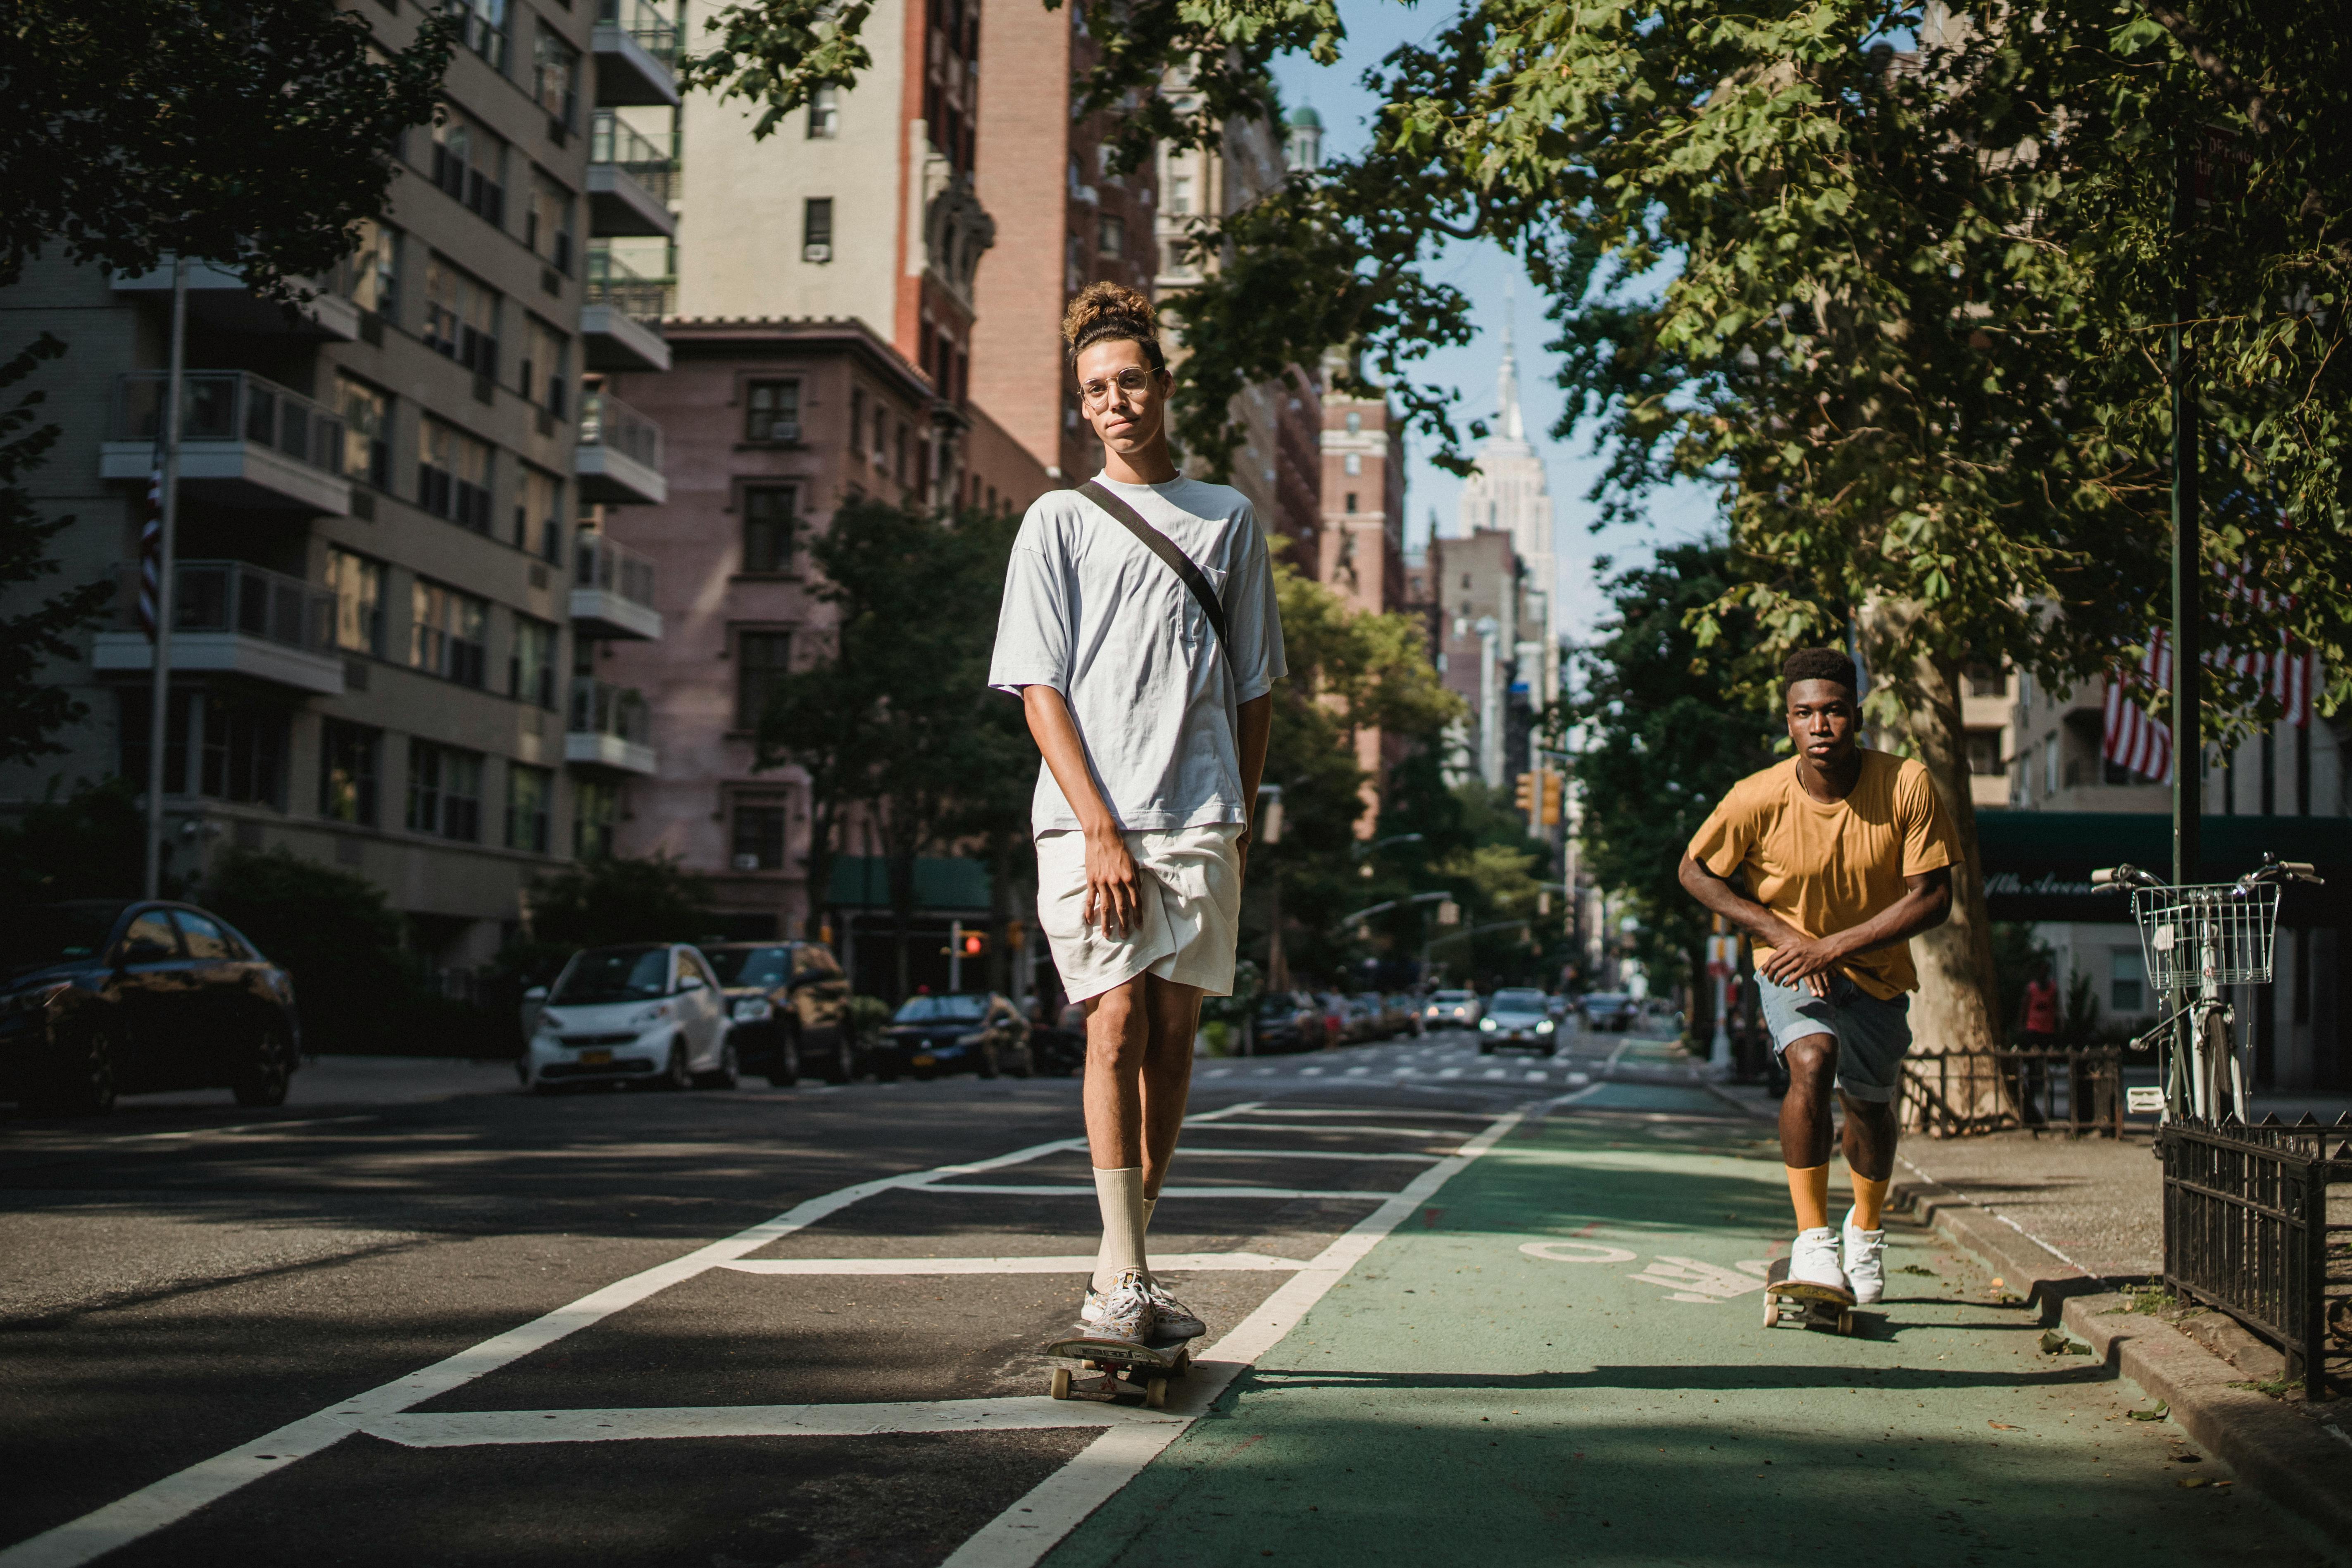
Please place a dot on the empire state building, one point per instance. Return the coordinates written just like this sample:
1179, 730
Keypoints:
1506, 493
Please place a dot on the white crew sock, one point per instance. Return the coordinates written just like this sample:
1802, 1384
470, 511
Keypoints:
1120, 1193
1150, 1207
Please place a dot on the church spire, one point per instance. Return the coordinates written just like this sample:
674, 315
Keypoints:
1513, 423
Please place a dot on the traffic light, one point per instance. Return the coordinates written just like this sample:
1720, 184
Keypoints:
1016, 934
974, 943
1554, 790
1526, 797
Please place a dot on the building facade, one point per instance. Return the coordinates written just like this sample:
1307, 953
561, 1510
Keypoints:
381, 588
1507, 492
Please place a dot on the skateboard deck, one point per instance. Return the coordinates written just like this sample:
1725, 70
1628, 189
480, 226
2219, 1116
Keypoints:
1819, 1306
1126, 1368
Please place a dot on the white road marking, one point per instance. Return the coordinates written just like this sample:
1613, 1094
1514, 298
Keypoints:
1688, 1279
1310, 1072
1550, 1251
1043, 1190
1576, 1078
1347, 1127
245, 1127
1357, 1072
1034, 1524
1449, 1072
1492, 1072
1076, 1263
1033, 1413
1349, 1154
1327, 1113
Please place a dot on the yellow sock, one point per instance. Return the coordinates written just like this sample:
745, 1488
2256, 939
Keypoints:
1869, 1202
1809, 1190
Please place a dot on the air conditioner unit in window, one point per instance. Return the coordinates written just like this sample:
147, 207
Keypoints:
747, 862
784, 430
816, 253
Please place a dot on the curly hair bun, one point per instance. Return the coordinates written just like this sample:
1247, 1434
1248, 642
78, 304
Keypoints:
1111, 312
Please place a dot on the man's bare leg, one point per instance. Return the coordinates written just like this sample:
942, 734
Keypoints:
1118, 1043
1175, 1019
1871, 1129
1805, 1127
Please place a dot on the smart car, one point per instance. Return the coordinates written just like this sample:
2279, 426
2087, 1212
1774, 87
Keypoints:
647, 1012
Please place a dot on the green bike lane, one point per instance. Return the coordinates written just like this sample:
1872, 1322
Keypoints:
1563, 1358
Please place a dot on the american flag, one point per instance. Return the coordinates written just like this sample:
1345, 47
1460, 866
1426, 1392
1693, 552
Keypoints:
2143, 744
151, 547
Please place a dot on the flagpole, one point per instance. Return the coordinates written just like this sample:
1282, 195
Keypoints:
159, 686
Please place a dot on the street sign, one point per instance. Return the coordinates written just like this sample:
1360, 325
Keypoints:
1449, 913
1722, 955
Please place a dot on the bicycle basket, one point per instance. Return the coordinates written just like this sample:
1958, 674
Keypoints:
2212, 932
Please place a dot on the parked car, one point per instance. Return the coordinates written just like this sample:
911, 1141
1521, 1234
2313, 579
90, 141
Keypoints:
1518, 1017
789, 1004
102, 997
1403, 1013
1366, 1018
977, 1030
646, 1013
1060, 1048
1607, 1010
1288, 1021
1452, 1010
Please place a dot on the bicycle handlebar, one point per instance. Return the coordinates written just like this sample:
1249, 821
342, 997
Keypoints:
2115, 879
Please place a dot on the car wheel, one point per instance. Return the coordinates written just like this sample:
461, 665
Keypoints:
1486, 1049
784, 1064
675, 1076
837, 1066
81, 1080
725, 1074
264, 1078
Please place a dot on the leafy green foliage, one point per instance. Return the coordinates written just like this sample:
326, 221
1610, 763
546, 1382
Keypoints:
88, 844
1217, 52
30, 708
777, 53
332, 931
618, 900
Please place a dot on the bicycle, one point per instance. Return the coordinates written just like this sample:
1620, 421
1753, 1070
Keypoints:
2196, 940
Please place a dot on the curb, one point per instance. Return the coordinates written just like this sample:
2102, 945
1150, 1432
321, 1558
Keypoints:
2291, 1459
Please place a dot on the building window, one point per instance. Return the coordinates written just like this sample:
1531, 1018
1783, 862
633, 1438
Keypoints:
213, 747
1355, 421
770, 521
348, 757
1110, 237
1984, 753
530, 800
530, 667
824, 113
367, 432
2050, 767
483, 25
369, 276
596, 809
545, 369
444, 791
1988, 682
448, 633
856, 417
358, 586
759, 834
1353, 462
772, 411
1179, 195
470, 164
453, 475
539, 514
2127, 981
555, 76
461, 317
761, 661
816, 230
1351, 500
882, 438
547, 227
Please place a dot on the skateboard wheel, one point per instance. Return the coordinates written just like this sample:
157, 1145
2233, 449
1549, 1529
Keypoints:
1155, 1393
1771, 1312
1845, 1322
1060, 1385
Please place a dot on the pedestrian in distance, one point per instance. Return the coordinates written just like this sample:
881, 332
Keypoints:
2039, 1024
1139, 631
1846, 856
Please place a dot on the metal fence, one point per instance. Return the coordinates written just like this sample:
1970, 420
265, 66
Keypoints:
1958, 1094
2258, 1224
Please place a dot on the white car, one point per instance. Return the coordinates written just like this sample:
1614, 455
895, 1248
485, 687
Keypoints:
1452, 1010
648, 1013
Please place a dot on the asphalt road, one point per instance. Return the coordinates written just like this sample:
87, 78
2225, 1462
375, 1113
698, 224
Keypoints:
417, 1318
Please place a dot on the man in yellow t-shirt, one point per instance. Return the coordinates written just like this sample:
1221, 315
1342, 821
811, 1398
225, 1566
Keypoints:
1846, 856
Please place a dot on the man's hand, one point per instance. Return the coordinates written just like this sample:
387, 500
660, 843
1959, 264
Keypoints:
1110, 883
1806, 958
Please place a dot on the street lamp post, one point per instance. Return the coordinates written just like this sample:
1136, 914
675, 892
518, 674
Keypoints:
159, 684
1267, 831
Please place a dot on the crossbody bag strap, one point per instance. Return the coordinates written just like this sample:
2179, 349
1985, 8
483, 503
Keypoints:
1159, 544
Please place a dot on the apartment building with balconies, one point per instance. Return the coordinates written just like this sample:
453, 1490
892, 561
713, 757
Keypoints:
384, 586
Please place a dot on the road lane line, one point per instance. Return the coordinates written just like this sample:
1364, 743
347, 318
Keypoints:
1076, 1263
1043, 1190
1398, 1132
176, 1496
1310, 1112
1351, 1155
1035, 1523
241, 1127
1032, 1413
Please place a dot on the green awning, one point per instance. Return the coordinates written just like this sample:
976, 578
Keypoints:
2038, 864
942, 882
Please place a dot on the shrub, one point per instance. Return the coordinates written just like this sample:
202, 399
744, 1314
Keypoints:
333, 932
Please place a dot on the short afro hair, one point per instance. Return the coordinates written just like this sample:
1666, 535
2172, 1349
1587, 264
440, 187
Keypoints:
1819, 664
1110, 312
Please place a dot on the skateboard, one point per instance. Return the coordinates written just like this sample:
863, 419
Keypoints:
1818, 1306
1128, 1369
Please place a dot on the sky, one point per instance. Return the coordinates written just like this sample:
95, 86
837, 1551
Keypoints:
1495, 282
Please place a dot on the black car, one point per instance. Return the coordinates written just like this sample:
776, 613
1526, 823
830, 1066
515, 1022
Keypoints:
1287, 1021
790, 1004
976, 1030
1060, 1048
108, 996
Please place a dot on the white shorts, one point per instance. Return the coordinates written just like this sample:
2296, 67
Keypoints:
1188, 904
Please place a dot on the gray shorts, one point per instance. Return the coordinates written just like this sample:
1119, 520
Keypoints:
1872, 1037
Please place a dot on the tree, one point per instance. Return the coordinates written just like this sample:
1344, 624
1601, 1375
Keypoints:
333, 932
87, 845
617, 900
30, 710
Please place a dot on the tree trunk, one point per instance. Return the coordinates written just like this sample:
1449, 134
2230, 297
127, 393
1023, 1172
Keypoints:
817, 867
1957, 1008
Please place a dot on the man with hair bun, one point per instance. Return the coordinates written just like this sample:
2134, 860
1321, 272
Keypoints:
1140, 632
1846, 856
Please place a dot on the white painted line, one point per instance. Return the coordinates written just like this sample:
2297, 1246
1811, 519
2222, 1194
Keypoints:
1492, 1072
1357, 1072
1351, 1126
1576, 1078
1351, 1155
1310, 1072
2000, 1216
1216, 1072
464, 1429
176, 1496
1042, 1191
1025, 1531
1534, 1075
1076, 1263
1449, 1072
241, 1128
1325, 1112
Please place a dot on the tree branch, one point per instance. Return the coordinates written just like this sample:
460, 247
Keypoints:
2198, 44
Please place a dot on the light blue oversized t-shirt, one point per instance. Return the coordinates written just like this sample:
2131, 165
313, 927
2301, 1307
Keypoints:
1092, 612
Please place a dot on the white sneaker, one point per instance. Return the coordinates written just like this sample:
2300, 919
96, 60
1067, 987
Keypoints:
1865, 1261
1813, 1259
1122, 1312
1177, 1320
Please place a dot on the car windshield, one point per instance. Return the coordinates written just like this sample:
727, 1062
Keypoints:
940, 1009
34, 936
1607, 999
1520, 1001
613, 975
752, 966
1456, 996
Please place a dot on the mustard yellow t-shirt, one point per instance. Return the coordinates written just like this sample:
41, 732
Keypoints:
1826, 868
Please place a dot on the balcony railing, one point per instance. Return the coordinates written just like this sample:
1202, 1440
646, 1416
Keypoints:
232, 406
612, 141
611, 282
606, 421
598, 563
231, 596
656, 32
600, 708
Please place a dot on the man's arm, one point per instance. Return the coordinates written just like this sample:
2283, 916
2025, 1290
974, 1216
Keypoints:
1110, 869
1256, 728
1927, 901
